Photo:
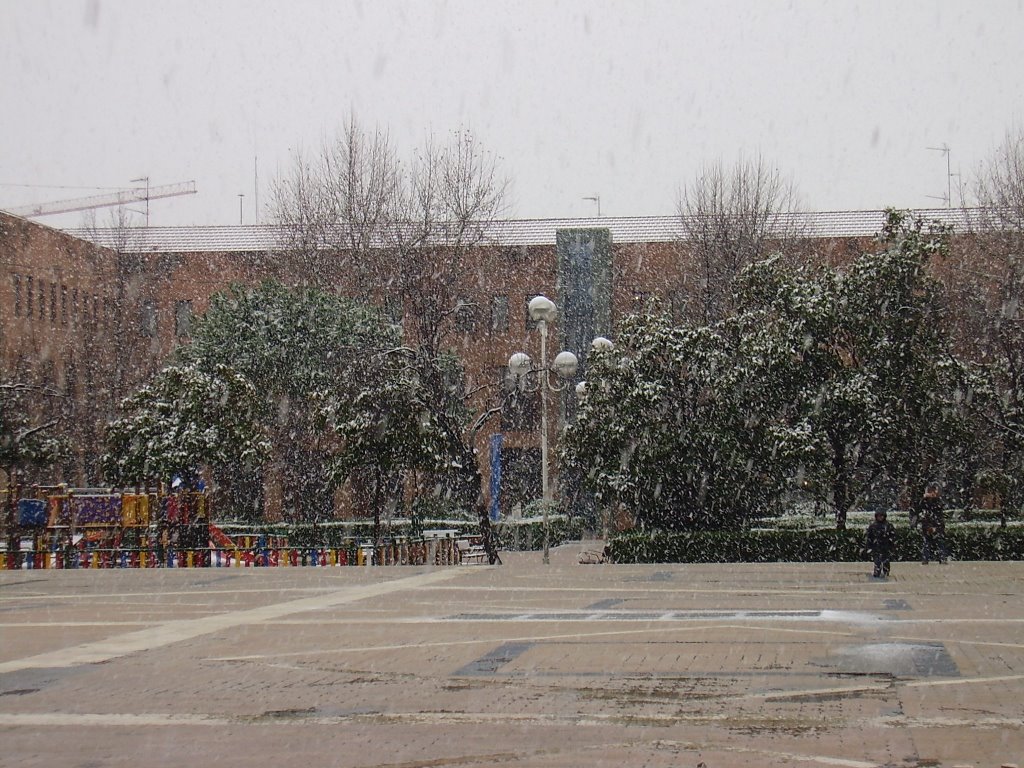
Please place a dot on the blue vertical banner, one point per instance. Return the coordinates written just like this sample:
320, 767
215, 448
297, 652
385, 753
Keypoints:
495, 509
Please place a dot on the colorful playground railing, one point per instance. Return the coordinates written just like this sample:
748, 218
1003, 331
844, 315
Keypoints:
443, 552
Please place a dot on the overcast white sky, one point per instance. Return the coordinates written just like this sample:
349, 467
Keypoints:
619, 99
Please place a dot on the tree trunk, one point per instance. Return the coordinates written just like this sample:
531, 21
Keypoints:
840, 485
474, 488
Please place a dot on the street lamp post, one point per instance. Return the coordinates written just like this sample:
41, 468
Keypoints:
542, 311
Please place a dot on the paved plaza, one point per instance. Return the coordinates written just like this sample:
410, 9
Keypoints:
518, 665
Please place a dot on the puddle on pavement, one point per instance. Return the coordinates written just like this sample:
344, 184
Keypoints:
490, 663
897, 659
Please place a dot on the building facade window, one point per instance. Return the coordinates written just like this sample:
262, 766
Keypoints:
63, 305
499, 314
517, 254
520, 479
17, 295
28, 297
520, 411
530, 324
147, 318
53, 302
465, 315
183, 318
42, 299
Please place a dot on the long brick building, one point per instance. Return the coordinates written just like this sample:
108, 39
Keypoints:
91, 314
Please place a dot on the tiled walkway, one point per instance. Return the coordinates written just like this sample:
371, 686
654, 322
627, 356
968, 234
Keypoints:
519, 665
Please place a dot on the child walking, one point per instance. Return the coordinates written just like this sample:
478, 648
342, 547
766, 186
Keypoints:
880, 541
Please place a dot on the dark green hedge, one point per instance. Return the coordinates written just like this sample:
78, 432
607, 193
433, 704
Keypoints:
769, 546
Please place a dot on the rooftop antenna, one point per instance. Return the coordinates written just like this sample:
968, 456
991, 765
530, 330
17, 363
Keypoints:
595, 199
944, 149
959, 185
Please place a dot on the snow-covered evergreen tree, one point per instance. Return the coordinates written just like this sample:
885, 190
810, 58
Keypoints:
185, 418
250, 387
833, 380
870, 375
674, 426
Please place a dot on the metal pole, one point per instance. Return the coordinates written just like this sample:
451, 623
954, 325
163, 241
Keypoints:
949, 180
544, 432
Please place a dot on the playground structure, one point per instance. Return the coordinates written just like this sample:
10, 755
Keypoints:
62, 527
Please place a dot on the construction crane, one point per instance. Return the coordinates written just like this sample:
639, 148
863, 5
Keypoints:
122, 197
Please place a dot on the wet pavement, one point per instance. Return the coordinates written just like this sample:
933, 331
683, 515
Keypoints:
520, 665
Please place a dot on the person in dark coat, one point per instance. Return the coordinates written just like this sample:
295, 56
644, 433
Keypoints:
880, 542
933, 526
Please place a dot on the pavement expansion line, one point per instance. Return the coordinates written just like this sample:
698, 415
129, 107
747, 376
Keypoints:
185, 629
536, 638
144, 598
788, 756
158, 719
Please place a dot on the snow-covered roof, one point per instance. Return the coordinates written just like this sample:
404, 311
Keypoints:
510, 232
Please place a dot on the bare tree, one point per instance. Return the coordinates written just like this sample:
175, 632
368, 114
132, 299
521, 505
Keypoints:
1000, 187
411, 236
989, 272
990, 268
134, 283
337, 205
732, 217
356, 215
453, 193
986, 282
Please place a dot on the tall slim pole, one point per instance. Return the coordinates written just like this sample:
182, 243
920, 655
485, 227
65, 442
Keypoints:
541, 310
945, 149
545, 491
949, 181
